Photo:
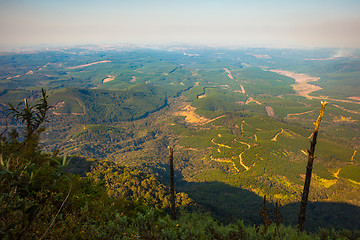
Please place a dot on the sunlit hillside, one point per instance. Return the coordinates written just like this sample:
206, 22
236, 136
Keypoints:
239, 121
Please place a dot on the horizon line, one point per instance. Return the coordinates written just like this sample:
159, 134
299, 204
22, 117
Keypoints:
54, 46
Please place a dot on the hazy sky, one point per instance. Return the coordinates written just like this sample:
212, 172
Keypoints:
321, 23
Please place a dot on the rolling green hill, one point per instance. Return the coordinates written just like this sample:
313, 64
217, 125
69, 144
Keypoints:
231, 121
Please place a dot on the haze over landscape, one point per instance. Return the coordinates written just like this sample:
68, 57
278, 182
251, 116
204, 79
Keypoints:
279, 23
92, 94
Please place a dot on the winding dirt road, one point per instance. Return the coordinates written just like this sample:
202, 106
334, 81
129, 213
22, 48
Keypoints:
219, 144
229, 161
353, 156
240, 155
225, 161
275, 137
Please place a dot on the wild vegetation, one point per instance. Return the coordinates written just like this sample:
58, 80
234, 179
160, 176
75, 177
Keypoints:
231, 153
41, 199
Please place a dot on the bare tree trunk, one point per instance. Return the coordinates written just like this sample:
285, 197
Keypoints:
172, 185
305, 194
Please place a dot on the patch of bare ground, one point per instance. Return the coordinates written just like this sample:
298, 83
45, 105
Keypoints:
193, 149
133, 79
336, 174
77, 114
250, 99
201, 96
270, 111
259, 56
58, 105
8, 78
211, 120
89, 64
242, 126
55, 113
29, 72
354, 98
338, 100
190, 116
348, 110
301, 86
353, 156
320, 59
109, 78
219, 144
343, 119
228, 73
242, 89
224, 161
298, 114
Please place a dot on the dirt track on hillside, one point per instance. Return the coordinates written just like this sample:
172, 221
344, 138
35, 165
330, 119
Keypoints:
298, 114
89, 64
240, 155
276, 135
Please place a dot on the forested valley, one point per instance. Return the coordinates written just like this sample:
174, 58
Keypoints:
239, 124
